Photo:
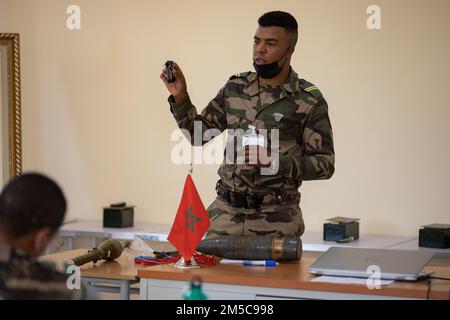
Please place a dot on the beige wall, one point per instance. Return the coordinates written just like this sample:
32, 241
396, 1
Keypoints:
95, 115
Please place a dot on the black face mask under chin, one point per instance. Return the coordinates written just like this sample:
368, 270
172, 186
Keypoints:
270, 70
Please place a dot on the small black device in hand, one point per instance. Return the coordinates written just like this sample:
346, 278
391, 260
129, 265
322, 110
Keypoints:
169, 70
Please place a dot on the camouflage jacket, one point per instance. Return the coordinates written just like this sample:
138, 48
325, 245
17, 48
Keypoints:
23, 278
297, 109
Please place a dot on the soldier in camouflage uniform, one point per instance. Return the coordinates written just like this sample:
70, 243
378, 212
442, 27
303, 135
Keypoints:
32, 208
249, 202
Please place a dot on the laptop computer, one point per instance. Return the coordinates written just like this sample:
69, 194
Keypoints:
355, 262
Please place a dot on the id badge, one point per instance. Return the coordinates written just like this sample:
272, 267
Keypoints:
253, 140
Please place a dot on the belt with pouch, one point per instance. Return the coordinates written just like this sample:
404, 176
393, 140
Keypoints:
251, 200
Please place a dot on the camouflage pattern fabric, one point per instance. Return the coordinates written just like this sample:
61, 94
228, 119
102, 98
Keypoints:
300, 113
23, 278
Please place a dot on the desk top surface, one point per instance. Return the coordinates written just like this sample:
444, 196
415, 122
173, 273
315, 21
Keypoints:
122, 268
414, 245
313, 241
154, 231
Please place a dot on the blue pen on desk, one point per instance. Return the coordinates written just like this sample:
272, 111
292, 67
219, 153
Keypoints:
265, 263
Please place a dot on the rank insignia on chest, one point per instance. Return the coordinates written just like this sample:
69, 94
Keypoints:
278, 116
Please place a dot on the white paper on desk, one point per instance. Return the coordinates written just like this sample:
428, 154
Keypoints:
347, 280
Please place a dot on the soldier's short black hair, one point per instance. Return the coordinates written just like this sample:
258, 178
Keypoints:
281, 19
31, 202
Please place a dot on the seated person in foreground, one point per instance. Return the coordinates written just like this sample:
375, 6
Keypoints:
32, 208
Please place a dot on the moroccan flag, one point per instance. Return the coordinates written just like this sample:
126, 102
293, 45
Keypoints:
191, 221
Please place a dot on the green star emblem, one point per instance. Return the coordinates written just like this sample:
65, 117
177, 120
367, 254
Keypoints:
191, 219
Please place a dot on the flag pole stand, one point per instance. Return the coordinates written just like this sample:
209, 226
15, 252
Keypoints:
181, 264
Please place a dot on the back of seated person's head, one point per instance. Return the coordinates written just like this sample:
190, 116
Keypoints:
32, 208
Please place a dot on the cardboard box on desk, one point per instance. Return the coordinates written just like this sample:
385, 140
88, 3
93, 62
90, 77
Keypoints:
341, 229
118, 216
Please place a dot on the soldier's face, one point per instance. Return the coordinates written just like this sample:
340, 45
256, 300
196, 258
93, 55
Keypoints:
270, 44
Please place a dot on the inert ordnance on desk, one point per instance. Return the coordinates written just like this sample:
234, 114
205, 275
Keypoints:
341, 229
287, 248
109, 250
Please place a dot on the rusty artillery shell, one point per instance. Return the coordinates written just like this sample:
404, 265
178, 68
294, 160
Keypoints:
287, 248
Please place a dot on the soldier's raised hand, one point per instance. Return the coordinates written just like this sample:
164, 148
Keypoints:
177, 89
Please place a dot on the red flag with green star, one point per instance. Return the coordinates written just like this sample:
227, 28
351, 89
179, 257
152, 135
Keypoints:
191, 221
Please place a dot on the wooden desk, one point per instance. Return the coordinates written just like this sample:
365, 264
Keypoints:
414, 245
286, 281
313, 241
122, 271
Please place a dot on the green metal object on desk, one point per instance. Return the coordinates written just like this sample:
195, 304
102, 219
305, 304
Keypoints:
195, 291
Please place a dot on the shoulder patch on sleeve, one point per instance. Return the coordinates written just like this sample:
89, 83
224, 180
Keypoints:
240, 75
310, 88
